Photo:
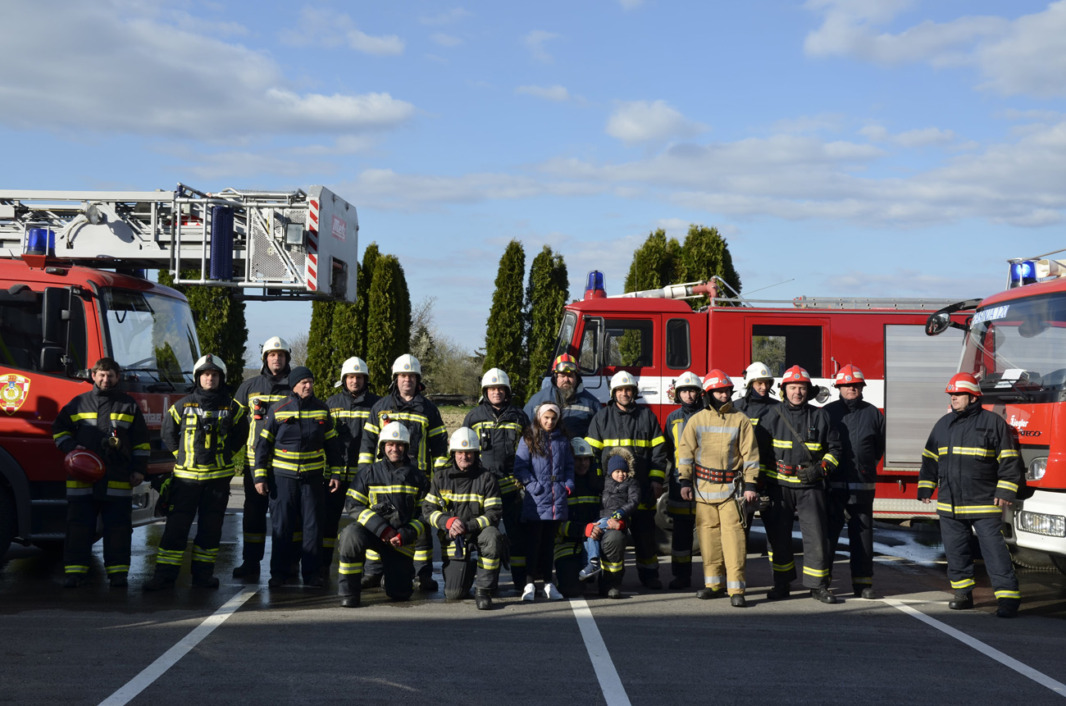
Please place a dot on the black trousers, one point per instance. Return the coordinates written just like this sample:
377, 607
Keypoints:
115, 513
205, 502
254, 521
810, 506
854, 509
957, 533
460, 574
540, 548
295, 504
397, 564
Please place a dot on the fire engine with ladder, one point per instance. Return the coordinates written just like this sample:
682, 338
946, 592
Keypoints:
1015, 345
656, 335
73, 289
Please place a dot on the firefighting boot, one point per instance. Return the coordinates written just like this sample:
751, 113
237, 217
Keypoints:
118, 580
963, 600
370, 581
1008, 608
203, 575
248, 571
74, 580
483, 599
163, 579
350, 600
680, 582
779, 592
707, 593
737, 600
824, 595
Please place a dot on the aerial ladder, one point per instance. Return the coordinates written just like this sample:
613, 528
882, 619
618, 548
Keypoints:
300, 244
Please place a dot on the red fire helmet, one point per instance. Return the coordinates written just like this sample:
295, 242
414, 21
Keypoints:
84, 465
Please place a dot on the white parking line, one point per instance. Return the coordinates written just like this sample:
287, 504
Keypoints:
169, 658
1023, 669
611, 686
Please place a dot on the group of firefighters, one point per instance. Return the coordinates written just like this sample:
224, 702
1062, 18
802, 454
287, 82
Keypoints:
389, 463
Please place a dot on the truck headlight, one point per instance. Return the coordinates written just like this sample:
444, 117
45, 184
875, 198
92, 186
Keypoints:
1039, 523
1037, 468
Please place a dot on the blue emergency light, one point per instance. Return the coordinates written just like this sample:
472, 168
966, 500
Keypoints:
1022, 273
594, 286
40, 241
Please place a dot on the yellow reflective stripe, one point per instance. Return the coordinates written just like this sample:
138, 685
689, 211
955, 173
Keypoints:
639, 443
969, 509
285, 414
120, 417
930, 455
300, 455
82, 416
927, 484
1007, 485
973, 451
340, 413
1008, 453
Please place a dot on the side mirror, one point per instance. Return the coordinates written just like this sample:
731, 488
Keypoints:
51, 359
937, 323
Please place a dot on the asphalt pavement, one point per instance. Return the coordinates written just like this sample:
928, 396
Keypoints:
252, 644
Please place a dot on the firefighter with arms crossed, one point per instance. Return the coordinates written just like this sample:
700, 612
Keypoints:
349, 409
805, 450
717, 457
383, 502
256, 395
427, 447
464, 505
687, 393
297, 448
861, 427
105, 437
972, 461
205, 431
626, 424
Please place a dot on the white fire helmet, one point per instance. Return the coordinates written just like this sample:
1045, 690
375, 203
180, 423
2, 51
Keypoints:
495, 377
395, 432
581, 447
757, 371
208, 362
464, 439
276, 343
353, 366
687, 379
406, 363
622, 379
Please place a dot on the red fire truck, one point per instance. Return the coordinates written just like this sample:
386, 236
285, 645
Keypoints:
61, 310
656, 336
1014, 344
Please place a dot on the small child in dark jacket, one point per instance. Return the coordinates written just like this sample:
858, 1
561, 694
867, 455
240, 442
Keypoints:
620, 497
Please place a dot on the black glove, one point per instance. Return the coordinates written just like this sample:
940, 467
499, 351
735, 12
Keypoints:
810, 474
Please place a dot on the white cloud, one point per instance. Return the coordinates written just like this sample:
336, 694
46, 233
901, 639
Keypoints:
445, 18
445, 40
1021, 56
329, 29
920, 137
650, 121
535, 42
555, 93
227, 91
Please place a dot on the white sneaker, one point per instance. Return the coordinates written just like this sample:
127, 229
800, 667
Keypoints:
552, 593
529, 592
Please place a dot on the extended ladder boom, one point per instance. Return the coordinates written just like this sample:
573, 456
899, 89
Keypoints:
295, 244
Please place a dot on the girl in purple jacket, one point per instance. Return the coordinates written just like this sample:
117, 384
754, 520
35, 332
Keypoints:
544, 465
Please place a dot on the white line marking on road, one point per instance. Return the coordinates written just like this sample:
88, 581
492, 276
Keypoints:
169, 658
1007, 661
611, 686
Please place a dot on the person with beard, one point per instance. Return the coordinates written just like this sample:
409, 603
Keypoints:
624, 423
296, 449
687, 393
805, 449
383, 502
428, 447
499, 425
755, 403
464, 505
716, 456
108, 423
566, 392
256, 395
349, 409
861, 427
205, 431
972, 462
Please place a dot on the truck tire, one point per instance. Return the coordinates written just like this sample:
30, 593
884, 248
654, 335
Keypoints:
1059, 561
8, 521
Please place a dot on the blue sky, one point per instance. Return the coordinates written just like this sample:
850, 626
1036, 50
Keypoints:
882, 148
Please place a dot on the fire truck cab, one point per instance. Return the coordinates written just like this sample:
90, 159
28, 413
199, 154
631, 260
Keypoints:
61, 310
656, 336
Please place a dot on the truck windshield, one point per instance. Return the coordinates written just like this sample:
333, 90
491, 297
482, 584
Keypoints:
151, 335
1015, 348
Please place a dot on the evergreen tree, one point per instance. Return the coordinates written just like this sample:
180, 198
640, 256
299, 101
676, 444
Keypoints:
656, 263
388, 320
220, 321
505, 328
546, 296
705, 254
320, 347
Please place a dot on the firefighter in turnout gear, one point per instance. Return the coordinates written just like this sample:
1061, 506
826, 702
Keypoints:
206, 431
717, 457
108, 423
256, 395
583, 507
428, 447
350, 410
805, 450
566, 391
383, 501
297, 448
972, 462
624, 423
756, 401
464, 505
499, 425
687, 393
861, 427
